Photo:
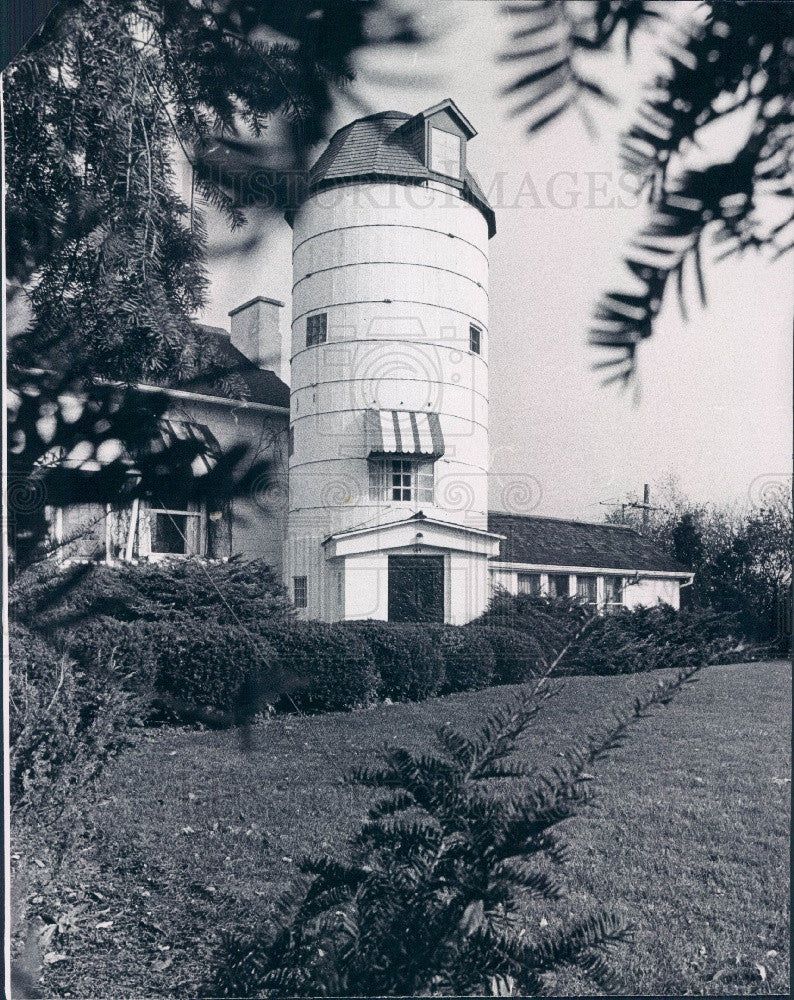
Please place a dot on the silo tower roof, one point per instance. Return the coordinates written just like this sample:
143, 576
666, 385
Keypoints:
390, 146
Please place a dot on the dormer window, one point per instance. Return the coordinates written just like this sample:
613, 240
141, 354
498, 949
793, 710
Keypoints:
445, 154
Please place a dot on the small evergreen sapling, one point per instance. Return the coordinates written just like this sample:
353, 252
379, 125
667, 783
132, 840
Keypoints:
436, 895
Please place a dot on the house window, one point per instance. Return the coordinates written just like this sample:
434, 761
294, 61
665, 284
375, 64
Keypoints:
300, 591
400, 480
425, 477
316, 329
613, 591
444, 152
175, 532
529, 583
558, 585
587, 589
474, 339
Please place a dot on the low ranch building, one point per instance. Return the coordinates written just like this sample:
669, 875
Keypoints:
374, 412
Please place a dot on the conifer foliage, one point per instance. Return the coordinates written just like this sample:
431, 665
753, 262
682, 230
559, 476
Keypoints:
123, 121
443, 889
725, 69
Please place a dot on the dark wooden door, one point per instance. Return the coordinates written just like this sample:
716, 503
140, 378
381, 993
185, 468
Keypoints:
416, 588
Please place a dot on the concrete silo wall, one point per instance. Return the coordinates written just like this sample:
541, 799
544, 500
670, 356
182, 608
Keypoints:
401, 272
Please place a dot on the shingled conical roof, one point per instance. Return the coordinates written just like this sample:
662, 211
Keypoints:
389, 146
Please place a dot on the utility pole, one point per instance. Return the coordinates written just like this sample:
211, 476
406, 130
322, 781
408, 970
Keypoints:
645, 507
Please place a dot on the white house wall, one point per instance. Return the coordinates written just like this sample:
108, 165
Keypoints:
366, 585
639, 589
258, 518
650, 590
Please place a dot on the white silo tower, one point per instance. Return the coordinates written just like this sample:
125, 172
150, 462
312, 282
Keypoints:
388, 467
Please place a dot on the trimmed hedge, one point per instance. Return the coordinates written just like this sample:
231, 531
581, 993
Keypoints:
329, 667
515, 653
194, 664
467, 657
126, 648
408, 663
208, 667
191, 662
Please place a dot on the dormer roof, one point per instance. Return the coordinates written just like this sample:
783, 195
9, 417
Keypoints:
450, 106
391, 146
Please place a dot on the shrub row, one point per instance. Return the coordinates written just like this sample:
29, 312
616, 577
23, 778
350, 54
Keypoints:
624, 641
311, 666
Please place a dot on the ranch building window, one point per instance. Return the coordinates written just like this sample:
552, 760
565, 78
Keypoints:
316, 329
300, 591
587, 588
558, 585
529, 583
613, 591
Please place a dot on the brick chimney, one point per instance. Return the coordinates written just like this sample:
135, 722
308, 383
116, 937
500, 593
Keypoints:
256, 333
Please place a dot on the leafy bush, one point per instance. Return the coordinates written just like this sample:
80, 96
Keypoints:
516, 657
467, 657
228, 593
64, 723
645, 638
127, 648
231, 592
623, 641
442, 891
549, 620
407, 661
331, 667
183, 665
205, 666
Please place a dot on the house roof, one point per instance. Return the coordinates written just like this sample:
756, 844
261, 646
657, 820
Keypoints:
231, 375
551, 541
383, 146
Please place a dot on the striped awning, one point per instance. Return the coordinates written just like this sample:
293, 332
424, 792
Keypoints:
404, 432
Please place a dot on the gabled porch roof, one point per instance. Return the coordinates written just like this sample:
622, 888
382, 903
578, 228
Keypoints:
416, 530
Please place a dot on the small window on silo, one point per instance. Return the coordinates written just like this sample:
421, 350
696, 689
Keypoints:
316, 329
300, 591
291, 442
475, 333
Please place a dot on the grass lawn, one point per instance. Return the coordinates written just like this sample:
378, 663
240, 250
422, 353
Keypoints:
190, 833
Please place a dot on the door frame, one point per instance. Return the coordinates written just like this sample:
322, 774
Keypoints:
438, 558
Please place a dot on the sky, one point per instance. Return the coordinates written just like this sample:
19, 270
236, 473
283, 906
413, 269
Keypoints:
714, 394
